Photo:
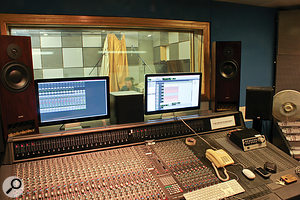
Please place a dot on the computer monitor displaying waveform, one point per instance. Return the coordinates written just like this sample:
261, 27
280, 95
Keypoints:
172, 92
70, 100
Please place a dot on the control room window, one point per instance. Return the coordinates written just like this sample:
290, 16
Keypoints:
124, 54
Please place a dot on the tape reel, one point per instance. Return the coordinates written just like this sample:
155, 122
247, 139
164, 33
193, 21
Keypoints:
286, 105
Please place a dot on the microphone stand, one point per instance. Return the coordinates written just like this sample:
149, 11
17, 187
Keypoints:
144, 63
100, 59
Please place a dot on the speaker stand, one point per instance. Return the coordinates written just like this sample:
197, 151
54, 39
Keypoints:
257, 124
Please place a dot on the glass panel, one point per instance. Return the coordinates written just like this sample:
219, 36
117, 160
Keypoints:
125, 55
199, 57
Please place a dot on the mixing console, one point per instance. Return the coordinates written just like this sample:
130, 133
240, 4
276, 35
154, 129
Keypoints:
184, 165
112, 174
162, 171
142, 161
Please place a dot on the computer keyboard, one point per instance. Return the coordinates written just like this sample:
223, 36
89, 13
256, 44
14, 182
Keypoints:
217, 191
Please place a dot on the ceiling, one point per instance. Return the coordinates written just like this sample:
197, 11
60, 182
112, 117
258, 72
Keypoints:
266, 3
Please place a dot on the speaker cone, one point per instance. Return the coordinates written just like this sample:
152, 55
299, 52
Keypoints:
15, 77
229, 69
14, 51
228, 52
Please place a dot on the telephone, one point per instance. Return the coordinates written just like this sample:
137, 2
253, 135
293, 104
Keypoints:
219, 158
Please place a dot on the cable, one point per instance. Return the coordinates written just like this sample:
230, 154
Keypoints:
242, 165
61, 127
197, 134
237, 177
215, 168
218, 175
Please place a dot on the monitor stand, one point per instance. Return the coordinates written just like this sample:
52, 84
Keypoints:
71, 126
168, 115
164, 116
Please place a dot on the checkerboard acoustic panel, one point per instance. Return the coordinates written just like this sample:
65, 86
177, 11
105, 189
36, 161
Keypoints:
59, 53
66, 54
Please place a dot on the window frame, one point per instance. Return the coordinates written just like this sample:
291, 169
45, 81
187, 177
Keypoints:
76, 21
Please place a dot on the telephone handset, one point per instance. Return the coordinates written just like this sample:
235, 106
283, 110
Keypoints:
219, 158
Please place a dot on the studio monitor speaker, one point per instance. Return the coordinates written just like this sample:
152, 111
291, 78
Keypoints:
18, 109
226, 70
259, 102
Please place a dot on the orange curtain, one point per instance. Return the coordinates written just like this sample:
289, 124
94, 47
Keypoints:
118, 63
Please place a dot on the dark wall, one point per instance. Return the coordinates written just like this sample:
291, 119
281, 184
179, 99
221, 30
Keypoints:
167, 9
254, 26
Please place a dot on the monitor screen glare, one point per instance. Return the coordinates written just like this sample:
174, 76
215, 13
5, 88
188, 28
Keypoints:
172, 92
65, 100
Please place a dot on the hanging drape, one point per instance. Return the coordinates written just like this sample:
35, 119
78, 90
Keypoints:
104, 70
115, 63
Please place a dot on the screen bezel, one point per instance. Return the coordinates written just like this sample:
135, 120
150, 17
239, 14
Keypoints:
37, 81
176, 109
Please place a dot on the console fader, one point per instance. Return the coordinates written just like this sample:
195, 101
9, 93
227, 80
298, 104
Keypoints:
111, 174
181, 164
165, 170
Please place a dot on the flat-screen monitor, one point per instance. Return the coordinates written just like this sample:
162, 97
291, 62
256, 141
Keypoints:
172, 92
69, 100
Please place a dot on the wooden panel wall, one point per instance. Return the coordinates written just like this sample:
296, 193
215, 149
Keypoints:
288, 57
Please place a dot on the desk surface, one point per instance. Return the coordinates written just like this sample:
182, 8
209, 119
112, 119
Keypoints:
259, 187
